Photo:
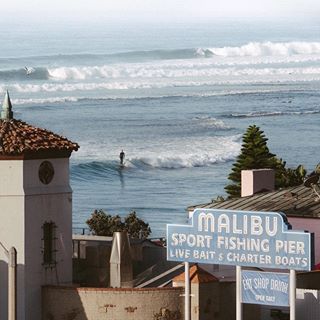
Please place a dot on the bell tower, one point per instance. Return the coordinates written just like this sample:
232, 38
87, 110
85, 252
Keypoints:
35, 210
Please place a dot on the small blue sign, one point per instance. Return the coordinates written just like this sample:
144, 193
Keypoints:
266, 288
242, 238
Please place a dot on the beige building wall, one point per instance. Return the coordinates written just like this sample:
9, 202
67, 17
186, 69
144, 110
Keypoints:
112, 304
25, 205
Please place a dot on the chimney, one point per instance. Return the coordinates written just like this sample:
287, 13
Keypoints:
120, 261
256, 180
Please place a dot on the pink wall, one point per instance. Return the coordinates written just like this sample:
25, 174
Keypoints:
311, 225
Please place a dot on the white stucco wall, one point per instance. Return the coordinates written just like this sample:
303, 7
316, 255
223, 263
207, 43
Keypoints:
25, 205
11, 235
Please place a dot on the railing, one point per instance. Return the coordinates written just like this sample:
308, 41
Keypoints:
82, 231
86, 231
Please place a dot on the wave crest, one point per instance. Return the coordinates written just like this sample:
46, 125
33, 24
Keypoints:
273, 113
24, 75
256, 49
167, 154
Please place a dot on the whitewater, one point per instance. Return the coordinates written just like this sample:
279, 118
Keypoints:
177, 99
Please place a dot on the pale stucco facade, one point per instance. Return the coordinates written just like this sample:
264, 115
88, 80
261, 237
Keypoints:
26, 204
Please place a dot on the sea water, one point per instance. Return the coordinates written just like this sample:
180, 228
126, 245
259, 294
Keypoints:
176, 98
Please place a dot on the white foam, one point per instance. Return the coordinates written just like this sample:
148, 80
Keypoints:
252, 54
256, 49
273, 113
185, 78
45, 100
212, 122
174, 153
252, 63
204, 120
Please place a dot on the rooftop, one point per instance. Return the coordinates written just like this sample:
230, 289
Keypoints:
297, 201
19, 139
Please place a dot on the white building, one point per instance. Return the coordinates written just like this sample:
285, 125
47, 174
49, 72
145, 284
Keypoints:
35, 210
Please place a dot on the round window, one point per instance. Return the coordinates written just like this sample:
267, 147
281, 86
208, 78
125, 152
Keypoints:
46, 172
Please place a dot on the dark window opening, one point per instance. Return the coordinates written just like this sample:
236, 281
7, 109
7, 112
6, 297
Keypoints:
49, 239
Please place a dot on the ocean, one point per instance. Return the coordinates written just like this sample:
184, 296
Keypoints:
176, 98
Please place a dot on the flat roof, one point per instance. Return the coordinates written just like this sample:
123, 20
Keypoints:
297, 201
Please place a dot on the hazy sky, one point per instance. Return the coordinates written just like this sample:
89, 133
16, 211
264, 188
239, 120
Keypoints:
177, 10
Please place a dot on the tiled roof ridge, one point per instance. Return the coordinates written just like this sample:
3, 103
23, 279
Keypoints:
18, 137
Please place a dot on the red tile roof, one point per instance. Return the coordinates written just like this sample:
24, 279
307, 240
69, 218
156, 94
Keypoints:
197, 275
18, 138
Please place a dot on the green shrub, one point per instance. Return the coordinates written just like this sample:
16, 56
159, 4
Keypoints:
103, 224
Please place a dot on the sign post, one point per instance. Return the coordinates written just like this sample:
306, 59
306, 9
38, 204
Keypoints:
292, 295
242, 239
186, 291
238, 293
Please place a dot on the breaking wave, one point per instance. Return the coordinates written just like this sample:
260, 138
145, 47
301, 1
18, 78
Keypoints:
165, 154
104, 168
24, 75
273, 113
211, 122
249, 60
255, 77
254, 49
183, 70
257, 49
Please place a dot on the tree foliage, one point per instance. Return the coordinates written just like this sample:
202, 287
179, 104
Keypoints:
103, 224
136, 227
255, 154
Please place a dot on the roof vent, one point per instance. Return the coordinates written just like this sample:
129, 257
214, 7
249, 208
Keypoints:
6, 113
120, 261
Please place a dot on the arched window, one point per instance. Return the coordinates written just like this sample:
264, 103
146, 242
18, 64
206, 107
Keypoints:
49, 243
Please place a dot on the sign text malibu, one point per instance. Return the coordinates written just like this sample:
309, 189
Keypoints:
243, 238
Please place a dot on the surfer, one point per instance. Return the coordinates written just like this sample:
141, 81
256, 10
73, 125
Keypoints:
121, 156
28, 70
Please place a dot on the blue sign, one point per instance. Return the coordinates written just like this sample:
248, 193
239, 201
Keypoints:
243, 238
266, 288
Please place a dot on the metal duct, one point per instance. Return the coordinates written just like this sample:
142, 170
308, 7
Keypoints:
120, 261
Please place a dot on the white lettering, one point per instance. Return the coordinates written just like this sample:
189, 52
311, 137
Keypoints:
204, 221
191, 240
245, 224
234, 221
256, 225
223, 223
279, 285
274, 231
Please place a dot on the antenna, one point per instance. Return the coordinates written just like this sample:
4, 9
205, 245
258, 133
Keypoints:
311, 182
